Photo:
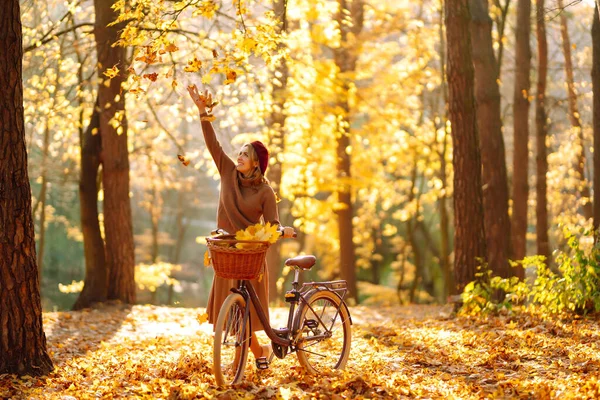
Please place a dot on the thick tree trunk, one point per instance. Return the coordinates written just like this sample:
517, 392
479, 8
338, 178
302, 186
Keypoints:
115, 159
583, 186
469, 232
22, 339
543, 246
95, 288
521, 133
596, 114
277, 144
489, 124
345, 57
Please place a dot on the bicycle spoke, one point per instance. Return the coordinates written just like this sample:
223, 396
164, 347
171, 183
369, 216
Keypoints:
325, 336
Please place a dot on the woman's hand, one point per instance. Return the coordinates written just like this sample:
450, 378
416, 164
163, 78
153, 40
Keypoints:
202, 101
288, 232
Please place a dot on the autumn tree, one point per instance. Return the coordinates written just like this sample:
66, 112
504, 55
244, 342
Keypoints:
574, 117
469, 235
443, 173
520, 184
22, 338
596, 112
543, 245
276, 142
114, 156
349, 18
95, 288
489, 123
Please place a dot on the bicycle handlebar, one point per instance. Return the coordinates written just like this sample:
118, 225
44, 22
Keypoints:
220, 231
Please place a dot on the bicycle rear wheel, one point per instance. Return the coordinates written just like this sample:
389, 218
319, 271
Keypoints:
232, 339
323, 324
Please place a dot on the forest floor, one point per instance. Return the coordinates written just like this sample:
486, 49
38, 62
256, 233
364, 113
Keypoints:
153, 352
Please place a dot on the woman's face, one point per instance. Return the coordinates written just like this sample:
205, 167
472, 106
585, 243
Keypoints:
244, 163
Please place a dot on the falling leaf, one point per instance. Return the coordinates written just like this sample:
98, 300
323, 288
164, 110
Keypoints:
111, 72
151, 76
171, 48
202, 318
184, 160
231, 77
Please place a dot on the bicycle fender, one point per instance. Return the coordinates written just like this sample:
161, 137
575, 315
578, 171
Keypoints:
309, 294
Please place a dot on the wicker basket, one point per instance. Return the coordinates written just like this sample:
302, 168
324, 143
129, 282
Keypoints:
229, 262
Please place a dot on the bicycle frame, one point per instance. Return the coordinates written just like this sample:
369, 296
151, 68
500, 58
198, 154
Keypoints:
246, 290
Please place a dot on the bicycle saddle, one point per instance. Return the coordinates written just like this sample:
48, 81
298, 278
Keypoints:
304, 262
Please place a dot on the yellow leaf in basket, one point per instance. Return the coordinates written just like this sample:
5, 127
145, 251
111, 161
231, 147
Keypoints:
207, 259
202, 318
243, 235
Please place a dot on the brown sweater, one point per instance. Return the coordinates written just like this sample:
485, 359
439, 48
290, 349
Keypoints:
239, 207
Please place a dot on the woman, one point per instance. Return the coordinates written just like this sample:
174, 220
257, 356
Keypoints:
245, 198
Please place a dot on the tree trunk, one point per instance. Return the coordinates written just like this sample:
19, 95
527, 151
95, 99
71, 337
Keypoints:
410, 234
345, 57
115, 159
22, 338
95, 288
583, 186
500, 20
543, 247
489, 124
277, 143
469, 232
596, 114
154, 217
180, 229
444, 220
521, 133
43, 174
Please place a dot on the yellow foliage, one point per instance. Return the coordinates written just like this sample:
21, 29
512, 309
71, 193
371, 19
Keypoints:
151, 276
73, 287
258, 232
397, 352
194, 65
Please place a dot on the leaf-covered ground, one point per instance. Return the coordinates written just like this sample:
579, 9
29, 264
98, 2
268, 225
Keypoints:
402, 352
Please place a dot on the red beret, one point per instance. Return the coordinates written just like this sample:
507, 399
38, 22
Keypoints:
263, 155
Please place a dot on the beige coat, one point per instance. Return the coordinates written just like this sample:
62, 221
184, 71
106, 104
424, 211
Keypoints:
239, 207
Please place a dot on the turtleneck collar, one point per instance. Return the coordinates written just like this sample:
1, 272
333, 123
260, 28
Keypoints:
254, 179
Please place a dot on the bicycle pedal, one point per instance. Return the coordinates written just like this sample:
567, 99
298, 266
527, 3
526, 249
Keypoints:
262, 363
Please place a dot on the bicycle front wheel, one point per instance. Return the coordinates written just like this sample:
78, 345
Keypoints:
323, 324
231, 341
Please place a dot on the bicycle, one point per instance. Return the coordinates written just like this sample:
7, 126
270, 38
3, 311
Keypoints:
318, 327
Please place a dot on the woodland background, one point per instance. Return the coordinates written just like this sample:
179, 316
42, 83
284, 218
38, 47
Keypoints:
389, 176
426, 152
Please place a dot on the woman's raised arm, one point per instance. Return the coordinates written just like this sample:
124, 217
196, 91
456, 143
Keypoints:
204, 102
